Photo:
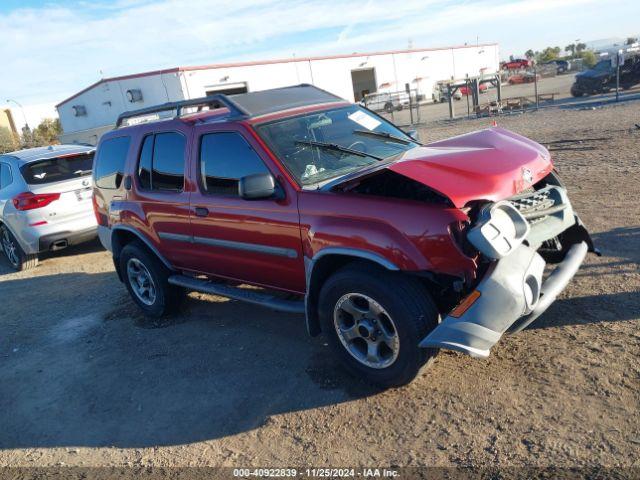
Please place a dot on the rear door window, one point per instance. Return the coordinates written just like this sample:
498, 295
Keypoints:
109, 168
57, 169
161, 163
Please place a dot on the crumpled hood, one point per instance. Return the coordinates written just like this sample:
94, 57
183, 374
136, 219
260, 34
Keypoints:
490, 164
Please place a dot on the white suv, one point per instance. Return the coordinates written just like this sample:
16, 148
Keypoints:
45, 201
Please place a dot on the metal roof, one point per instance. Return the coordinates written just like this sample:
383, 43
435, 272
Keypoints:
52, 151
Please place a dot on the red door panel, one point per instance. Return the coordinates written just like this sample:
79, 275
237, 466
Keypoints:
255, 241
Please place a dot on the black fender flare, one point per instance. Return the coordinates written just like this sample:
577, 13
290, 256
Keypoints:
315, 275
117, 247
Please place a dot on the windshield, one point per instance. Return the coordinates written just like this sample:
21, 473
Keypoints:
603, 65
323, 145
58, 169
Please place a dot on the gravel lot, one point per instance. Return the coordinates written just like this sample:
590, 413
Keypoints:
85, 380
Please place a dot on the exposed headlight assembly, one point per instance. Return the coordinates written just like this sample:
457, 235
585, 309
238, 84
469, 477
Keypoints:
499, 230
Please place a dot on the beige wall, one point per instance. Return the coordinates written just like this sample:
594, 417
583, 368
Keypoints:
6, 121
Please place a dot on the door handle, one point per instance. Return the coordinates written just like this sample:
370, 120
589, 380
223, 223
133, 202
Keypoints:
202, 212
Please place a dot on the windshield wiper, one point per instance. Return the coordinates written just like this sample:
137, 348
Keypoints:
386, 135
337, 148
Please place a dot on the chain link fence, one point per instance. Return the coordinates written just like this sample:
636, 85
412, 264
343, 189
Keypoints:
558, 84
403, 108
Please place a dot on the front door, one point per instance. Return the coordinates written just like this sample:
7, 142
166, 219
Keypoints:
254, 241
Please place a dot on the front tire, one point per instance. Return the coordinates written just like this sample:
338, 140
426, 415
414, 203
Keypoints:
13, 252
146, 279
374, 319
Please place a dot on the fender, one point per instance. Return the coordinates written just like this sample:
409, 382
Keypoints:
310, 299
142, 238
17, 237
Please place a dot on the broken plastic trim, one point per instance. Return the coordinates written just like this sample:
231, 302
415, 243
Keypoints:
499, 230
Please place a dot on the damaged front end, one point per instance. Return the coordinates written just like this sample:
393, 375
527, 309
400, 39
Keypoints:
517, 238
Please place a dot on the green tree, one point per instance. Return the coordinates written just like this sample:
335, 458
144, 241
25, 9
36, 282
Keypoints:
588, 58
548, 54
529, 54
47, 132
580, 47
571, 48
8, 142
631, 40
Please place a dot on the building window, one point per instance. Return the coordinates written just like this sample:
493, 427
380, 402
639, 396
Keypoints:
225, 158
134, 95
79, 110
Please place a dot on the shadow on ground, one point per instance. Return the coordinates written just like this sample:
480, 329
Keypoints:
80, 366
621, 243
87, 247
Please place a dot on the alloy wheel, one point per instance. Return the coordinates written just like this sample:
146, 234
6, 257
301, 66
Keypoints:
10, 248
141, 281
366, 330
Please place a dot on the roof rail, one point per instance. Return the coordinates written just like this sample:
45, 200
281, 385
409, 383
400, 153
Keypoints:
216, 101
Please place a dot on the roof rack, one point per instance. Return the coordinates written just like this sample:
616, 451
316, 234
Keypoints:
215, 101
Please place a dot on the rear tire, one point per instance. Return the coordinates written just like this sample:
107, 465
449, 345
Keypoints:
393, 311
13, 252
146, 279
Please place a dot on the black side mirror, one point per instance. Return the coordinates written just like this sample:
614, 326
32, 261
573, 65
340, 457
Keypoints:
259, 185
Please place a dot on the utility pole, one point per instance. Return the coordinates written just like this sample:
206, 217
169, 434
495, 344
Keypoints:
26, 124
535, 85
620, 54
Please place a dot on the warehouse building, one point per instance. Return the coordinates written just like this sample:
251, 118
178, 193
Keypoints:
89, 113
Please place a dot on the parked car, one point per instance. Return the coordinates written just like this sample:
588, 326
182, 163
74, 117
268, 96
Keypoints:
561, 66
45, 201
386, 102
517, 64
602, 77
392, 249
467, 91
523, 78
441, 93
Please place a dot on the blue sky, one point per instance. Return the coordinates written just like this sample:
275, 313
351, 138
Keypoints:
51, 49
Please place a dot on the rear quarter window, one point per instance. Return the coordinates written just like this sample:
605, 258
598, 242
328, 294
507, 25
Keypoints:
5, 176
57, 169
110, 160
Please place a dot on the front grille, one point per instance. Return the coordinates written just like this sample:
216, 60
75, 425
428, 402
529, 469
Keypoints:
534, 206
548, 212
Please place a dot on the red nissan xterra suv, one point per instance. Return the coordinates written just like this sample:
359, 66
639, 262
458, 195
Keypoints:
392, 249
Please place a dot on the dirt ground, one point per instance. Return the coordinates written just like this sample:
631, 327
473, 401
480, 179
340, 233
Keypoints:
85, 380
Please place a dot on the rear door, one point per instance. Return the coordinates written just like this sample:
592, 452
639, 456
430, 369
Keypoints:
256, 241
160, 193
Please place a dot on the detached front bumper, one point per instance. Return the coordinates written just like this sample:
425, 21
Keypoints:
509, 297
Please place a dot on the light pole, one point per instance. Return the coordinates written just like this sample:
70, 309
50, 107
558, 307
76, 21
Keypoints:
26, 124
